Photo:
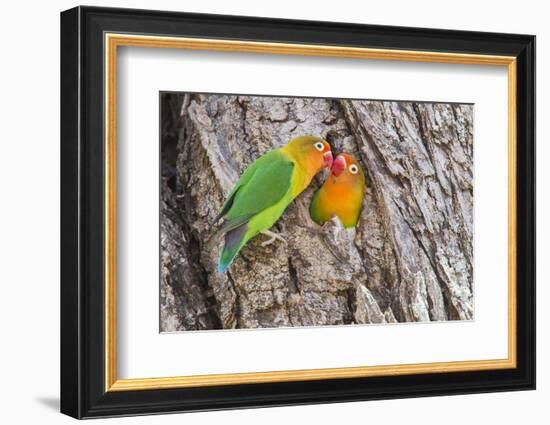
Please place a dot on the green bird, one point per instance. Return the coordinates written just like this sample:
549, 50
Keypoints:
266, 188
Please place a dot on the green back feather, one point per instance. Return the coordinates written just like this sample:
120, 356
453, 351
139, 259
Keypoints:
264, 183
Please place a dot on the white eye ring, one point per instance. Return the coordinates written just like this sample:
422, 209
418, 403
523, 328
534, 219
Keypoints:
319, 146
353, 169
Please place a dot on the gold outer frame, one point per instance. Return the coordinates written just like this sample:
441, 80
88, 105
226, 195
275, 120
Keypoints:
113, 41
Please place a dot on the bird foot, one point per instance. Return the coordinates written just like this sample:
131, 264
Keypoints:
272, 236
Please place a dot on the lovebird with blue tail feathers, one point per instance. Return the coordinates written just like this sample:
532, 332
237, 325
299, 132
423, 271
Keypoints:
266, 188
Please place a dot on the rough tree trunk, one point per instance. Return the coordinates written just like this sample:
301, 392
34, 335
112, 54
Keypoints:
409, 259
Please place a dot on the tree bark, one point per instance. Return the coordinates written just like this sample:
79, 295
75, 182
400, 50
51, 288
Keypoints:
409, 259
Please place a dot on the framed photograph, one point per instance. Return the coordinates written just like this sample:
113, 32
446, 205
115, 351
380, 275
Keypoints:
261, 212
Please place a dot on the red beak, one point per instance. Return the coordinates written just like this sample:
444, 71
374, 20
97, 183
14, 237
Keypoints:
338, 166
328, 159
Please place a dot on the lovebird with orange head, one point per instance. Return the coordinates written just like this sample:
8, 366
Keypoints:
342, 193
266, 188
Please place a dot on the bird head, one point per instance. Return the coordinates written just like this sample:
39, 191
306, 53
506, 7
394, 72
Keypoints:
312, 152
345, 169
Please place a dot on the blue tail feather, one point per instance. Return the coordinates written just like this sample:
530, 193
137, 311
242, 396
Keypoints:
234, 241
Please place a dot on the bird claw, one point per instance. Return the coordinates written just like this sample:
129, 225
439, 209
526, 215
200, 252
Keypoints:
272, 236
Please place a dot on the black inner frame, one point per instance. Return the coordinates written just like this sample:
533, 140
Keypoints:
82, 212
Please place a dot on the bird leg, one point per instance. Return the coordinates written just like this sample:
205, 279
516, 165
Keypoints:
273, 236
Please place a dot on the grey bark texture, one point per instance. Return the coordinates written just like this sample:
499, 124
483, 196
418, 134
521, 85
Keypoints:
410, 259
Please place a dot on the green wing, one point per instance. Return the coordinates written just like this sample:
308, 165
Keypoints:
268, 185
261, 185
245, 178
314, 212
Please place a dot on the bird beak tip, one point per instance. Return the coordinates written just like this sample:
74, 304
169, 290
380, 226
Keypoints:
328, 159
338, 166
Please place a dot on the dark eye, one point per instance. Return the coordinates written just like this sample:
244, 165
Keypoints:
353, 169
319, 146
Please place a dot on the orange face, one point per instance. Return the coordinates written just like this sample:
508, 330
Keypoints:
312, 152
322, 154
346, 170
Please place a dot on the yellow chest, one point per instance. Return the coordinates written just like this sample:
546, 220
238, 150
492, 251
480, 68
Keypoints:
300, 180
